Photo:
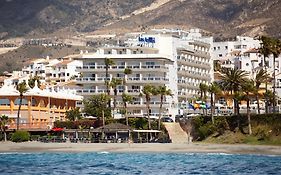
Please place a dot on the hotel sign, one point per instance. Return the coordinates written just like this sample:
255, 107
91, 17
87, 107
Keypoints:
147, 39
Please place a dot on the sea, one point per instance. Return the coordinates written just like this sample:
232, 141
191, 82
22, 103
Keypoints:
107, 163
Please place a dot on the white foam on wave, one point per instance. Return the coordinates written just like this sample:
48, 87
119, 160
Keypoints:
223, 154
10, 153
103, 152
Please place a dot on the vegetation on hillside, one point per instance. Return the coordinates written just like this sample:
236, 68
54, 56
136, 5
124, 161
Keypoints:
266, 129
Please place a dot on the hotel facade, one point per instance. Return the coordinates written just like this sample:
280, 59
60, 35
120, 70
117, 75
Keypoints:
176, 59
40, 108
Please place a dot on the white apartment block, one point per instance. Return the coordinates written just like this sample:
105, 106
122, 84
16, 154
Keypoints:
52, 71
177, 59
243, 54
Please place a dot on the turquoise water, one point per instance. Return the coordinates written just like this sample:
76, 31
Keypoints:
136, 163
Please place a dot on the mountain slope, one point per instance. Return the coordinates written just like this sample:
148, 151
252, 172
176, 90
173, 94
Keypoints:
222, 17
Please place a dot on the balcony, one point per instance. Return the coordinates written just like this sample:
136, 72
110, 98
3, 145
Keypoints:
188, 85
134, 91
158, 68
86, 91
86, 80
120, 68
194, 74
152, 80
194, 63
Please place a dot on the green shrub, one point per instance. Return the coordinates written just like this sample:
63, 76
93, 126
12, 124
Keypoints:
262, 132
206, 130
34, 137
20, 136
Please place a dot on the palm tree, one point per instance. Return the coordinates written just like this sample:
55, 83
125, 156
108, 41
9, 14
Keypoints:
96, 105
203, 93
34, 81
270, 46
4, 120
232, 80
148, 91
265, 51
127, 72
126, 99
276, 51
213, 89
104, 98
248, 87
114, 83
108, 62
261, 77
22, 88
162, 91
270, 97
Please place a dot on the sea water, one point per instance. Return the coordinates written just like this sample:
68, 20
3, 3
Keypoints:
137, 163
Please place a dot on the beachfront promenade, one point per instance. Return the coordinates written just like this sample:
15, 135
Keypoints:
139, 147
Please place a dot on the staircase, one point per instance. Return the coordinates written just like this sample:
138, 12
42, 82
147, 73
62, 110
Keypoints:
176, 133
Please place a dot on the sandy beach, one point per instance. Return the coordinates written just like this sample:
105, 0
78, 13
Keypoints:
138, 148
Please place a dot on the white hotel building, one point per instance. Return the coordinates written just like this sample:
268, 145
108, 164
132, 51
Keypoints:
177, 59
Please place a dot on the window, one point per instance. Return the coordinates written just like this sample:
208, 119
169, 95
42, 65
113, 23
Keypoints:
247, 64
226, 47
4, 102
67, 74
222, 100
220, 55
135, 87
150, 63
24, 102
215, 48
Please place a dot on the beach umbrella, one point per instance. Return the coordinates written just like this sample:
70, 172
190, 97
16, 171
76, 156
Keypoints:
190, 106
196, 106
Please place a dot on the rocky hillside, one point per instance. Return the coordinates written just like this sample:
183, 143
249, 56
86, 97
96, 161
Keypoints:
222, 17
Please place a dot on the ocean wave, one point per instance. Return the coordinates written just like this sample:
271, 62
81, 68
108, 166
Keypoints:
103, 152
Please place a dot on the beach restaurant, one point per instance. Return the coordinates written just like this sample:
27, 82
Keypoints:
40, 108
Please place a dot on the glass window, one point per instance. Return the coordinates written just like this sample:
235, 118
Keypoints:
24, 102
4, 102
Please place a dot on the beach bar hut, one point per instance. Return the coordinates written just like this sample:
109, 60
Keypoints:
112, 133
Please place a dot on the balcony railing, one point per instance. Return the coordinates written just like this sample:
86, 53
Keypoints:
98, 67
32, 126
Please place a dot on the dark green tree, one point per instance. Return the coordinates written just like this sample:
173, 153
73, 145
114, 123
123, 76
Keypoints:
73, 114
126, 99
261, 77
213, 89
22, 88
4, 121
32, 80
97, 106
232, 80
108, 62
148, 91
248, 87
163, 92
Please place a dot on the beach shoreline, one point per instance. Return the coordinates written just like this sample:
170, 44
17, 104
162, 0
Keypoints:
34, 147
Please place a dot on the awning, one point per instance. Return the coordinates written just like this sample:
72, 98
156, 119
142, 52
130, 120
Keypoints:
57, 129
146, 130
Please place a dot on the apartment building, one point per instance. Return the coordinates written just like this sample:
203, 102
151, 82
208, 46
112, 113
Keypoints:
178, 59
242, 53
52, 71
